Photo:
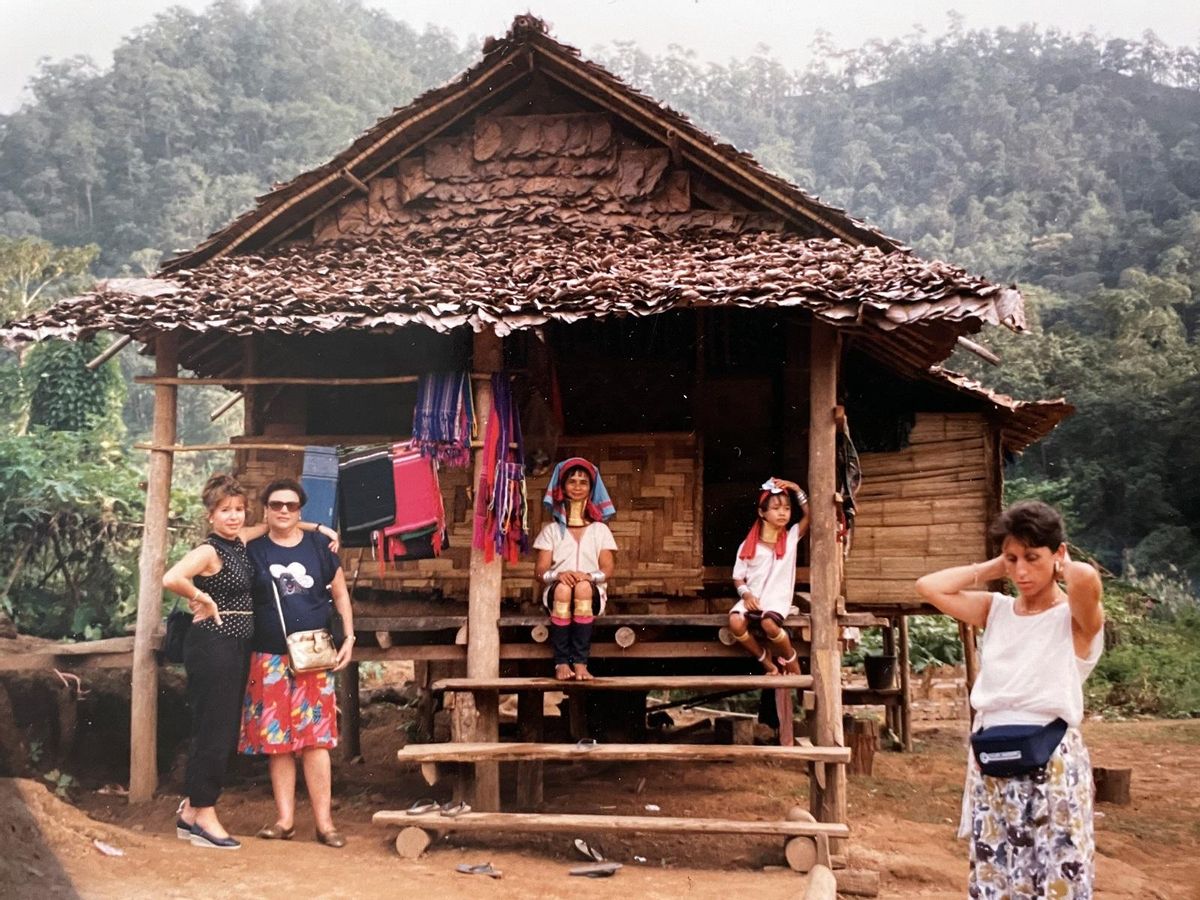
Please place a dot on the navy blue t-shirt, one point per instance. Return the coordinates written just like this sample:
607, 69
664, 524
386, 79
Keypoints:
301, 575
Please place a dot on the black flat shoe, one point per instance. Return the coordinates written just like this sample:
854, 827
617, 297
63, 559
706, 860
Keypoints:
276, 832
202, 838
331, 839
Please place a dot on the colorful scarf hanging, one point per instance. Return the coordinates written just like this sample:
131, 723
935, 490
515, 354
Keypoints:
444, 418
501, 507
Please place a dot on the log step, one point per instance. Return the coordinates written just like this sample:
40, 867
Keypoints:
455, 752
703, 683
585, 824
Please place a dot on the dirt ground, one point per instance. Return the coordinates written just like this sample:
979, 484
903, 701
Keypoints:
903, 820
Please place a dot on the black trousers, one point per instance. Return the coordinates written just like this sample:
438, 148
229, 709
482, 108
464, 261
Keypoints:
217, 667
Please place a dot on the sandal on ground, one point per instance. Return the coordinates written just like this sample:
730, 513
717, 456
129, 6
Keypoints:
480, 869
586, 744
331, 838
589, 851
453, 810
276, 832
422, 806
597, 870
202, 838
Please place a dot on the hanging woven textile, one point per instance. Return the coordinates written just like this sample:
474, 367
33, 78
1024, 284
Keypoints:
501, 509
444, 418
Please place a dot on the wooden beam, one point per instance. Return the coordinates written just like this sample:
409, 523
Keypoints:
484, 589
512, 752
259, 380
629, 683
828, 801
979, 350
109, 352
583, 824
143, 734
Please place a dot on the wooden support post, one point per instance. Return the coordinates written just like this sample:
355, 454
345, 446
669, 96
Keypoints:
905, 708
250, 393
891, 713
143, 729
828, 801
350, 743
967, 635
530, 728
483, 594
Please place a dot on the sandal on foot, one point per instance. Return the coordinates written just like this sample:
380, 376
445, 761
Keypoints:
331, 839
183, 830
276, 832
422, 806
202, 838
453, 810
597, 870
588, 851
479, 869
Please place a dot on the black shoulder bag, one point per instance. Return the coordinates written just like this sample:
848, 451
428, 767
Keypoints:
178, 623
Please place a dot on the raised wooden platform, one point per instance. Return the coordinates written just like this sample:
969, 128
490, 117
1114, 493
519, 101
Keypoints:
628, 683
518, 752
616, 620
583, 824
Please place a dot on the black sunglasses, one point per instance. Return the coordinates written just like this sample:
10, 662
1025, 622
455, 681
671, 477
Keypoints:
283, 505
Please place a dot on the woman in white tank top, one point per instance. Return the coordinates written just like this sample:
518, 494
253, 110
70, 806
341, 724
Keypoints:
1031, 835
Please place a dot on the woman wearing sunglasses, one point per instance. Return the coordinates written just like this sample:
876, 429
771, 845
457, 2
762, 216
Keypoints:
288, 714
215, 578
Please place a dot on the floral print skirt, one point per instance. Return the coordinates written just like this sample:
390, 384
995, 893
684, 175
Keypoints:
286, 713
1032, 837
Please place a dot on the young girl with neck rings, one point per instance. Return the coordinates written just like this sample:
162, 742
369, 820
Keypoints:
764, 575
574, 561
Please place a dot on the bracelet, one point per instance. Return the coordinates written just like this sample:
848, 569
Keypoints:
743, 590
598, 577
548, 577
196, 596
350, 637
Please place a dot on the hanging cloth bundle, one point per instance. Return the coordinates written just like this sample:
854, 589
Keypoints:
501, 507
444, 418
419, 509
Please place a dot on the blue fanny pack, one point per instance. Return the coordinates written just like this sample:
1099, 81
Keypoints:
1005, 751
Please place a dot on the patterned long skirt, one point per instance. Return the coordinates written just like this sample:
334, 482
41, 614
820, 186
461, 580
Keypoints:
1033, 837
286, 713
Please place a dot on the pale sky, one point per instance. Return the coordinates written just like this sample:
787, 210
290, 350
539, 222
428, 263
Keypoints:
715, 29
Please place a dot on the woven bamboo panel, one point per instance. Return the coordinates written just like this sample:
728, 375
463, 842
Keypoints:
654, 481
920, 509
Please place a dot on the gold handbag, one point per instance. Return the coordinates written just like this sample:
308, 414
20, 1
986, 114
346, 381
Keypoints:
308, 651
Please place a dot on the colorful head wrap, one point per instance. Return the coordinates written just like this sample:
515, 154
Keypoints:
599, 506
750, 544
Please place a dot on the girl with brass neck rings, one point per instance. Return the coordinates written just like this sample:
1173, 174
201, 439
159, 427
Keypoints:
574, 562
1030, 826
764, 575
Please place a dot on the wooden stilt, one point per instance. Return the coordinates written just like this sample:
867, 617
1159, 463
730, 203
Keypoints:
483, 595
143, 731
967, 635
905, 708
530, 728
350, 742
828, 800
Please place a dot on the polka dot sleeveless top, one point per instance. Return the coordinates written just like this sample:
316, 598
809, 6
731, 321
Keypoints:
230, 589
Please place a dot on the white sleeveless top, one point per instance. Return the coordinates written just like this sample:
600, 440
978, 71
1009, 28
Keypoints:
1029, 673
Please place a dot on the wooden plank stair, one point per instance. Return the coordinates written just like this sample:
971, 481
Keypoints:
456, 752
703, 683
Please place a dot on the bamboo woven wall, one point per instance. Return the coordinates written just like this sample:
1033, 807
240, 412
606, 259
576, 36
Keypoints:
922, 508
654, 481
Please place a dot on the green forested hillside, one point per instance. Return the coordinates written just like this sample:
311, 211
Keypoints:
1065, 164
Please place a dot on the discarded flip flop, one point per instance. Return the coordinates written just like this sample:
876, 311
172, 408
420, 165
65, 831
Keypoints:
422, 806
586, 744
451, 810
597, 870
479, 869
588, 851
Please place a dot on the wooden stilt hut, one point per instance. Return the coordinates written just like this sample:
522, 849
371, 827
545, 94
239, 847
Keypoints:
664, 306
